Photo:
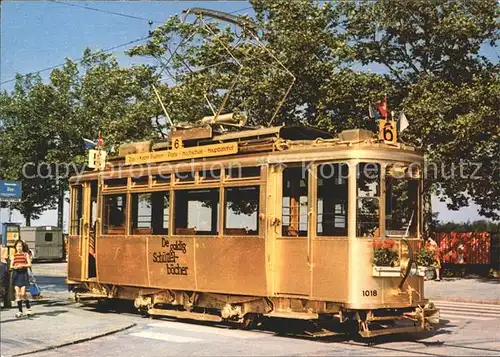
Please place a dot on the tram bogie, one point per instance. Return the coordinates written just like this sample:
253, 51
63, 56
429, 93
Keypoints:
281, 222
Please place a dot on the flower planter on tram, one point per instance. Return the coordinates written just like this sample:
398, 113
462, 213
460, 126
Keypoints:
386, 272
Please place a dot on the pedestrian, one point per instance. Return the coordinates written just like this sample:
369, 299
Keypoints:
20, 279
434, 248
3, 270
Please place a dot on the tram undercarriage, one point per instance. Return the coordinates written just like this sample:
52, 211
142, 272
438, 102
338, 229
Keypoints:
325, 318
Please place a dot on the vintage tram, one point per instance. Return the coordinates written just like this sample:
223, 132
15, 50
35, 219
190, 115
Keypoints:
237, 225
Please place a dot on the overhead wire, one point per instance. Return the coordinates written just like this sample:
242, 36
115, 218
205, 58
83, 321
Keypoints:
77, 59
106, 11
101, 51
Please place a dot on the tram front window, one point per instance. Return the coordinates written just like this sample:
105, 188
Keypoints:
401, 203
332, 200
368, 195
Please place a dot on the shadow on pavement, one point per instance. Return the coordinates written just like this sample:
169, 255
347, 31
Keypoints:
36, 315
471, 279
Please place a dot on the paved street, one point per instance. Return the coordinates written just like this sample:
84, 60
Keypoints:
466, 328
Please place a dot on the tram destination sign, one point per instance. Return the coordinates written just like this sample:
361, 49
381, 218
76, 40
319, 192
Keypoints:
182, 153
10, 191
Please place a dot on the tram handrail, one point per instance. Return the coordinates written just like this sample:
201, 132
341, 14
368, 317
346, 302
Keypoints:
410, 253
410, 262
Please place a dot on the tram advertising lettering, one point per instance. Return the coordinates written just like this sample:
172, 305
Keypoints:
171, 257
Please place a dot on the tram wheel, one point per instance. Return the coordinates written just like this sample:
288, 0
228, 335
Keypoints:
250, 321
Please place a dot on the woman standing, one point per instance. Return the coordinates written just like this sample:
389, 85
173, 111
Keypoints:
20, 265
434, 248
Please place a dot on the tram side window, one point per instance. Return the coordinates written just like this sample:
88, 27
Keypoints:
93, 205
77, 206
196, 212
368, 194
114, 214
332, 199
242, 209
239, 172
141, 213
150, 213
295, 204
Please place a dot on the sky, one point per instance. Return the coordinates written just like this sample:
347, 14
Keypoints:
39, 34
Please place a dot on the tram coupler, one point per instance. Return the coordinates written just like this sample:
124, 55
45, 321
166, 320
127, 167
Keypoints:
427, 315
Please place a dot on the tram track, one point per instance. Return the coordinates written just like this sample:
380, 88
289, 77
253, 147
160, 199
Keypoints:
413, 345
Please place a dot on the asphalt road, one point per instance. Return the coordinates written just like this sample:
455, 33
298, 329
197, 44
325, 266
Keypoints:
465, 329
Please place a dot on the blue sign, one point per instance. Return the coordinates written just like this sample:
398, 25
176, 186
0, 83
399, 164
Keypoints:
10, 190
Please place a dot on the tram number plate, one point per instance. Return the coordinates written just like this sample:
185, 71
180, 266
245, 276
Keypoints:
387, 131
370, 293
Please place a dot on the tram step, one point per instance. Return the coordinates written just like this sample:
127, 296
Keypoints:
185, 315
90, 296
388, 331
323, 333
293, 315
385, 318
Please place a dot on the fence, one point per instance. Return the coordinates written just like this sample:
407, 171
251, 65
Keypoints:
472, 248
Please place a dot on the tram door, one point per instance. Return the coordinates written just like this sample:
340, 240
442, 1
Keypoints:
293, 245
89, 229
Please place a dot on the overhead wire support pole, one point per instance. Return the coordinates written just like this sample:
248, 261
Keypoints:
170, 123
233, 82
247, 27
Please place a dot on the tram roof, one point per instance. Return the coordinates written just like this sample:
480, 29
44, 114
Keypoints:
245, 141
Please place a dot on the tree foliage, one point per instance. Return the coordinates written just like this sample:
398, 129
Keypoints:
447, 88
432, 64
43, 124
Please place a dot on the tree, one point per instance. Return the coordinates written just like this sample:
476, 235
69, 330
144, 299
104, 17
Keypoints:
25, 140
43, 125
449, 91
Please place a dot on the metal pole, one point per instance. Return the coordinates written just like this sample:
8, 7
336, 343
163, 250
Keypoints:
170, 123
1, 227
60, 206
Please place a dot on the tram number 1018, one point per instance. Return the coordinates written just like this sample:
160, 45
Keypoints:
369, 292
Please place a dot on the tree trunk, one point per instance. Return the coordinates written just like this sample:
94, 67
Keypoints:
427, 216
27, 217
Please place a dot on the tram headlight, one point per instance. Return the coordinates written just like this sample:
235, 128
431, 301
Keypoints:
404, 264
413, 269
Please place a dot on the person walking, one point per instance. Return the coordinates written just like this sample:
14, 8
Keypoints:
20, 279
434, 248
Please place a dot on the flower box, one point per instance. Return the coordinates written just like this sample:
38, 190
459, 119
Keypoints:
386, 272
385, 253
427, 272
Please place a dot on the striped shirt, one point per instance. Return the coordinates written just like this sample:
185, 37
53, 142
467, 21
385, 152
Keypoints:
20, 259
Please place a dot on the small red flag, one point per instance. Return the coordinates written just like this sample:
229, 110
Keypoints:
382, 107
100, 141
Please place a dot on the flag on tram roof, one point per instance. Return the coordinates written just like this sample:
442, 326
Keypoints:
382, 107
100, 141
403, 122
372, 112
89, 144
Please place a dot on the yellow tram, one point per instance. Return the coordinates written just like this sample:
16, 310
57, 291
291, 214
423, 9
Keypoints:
242, 224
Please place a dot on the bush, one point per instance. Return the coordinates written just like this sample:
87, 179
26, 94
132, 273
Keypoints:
425, 257
385, 253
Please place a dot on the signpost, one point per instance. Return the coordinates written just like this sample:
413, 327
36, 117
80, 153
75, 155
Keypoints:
10, 191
